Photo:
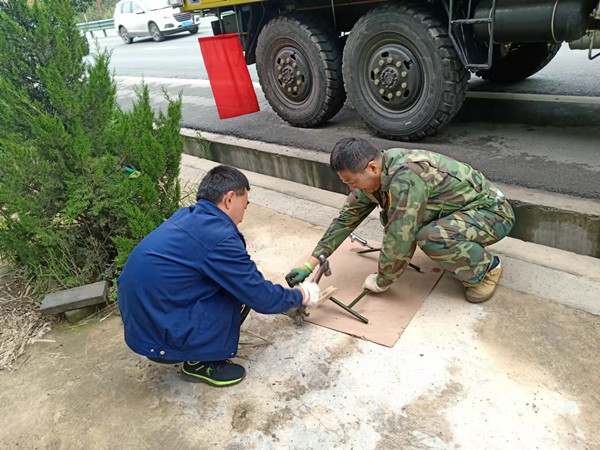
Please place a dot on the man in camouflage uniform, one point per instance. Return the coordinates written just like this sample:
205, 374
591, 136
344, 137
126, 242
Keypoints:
445, 207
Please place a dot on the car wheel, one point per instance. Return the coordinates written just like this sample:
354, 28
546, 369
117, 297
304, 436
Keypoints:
194, 29
156, 33
125, 35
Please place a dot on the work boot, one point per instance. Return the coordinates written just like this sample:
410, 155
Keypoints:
215, 373
478, 293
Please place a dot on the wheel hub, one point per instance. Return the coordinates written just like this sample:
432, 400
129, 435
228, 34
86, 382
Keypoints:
389, 77
394, 78
293, 74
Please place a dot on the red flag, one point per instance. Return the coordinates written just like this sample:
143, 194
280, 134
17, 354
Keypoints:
228, 75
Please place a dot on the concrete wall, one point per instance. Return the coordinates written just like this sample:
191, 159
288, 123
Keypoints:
293, 167
559, 228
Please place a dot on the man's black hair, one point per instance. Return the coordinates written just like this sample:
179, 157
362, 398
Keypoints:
220, 180
352, 154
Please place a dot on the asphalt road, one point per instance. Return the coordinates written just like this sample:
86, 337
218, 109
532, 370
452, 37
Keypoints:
550, 146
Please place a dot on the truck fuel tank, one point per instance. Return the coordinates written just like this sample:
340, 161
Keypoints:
535, 20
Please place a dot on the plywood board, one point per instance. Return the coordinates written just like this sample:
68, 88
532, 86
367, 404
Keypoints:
390, 312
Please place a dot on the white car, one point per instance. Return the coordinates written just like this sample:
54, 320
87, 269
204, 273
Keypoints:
156, 18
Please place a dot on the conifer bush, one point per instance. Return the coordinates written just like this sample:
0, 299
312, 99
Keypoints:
81, 181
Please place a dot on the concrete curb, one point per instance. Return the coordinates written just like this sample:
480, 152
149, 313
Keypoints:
549, 219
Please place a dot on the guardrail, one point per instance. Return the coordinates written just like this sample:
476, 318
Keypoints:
98, 25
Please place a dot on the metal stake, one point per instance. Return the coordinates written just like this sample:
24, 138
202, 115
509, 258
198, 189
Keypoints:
356, 300
371, 250
350, 310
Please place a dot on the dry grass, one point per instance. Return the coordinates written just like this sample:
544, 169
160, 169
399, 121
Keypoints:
21, 323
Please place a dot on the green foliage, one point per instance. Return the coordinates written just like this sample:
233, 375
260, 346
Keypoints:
68, 212
81, 6
96, 10
157, 154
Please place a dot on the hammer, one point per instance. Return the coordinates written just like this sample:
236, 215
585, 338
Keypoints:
322, 270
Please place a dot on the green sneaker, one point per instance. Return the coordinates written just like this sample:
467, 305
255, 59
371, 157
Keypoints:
216, 373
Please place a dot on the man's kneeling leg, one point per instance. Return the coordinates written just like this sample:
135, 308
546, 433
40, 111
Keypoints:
457, 242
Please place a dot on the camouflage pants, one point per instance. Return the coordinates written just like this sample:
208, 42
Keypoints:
457, 242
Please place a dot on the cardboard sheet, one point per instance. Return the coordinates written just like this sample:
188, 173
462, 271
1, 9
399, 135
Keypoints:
390, 312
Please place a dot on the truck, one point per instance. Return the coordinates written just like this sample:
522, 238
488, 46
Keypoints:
403, 64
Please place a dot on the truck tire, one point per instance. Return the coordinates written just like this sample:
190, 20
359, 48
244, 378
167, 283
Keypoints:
299, 66
515, 62
402, 73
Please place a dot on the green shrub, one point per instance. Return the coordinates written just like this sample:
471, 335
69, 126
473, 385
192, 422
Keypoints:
91, 10
69, 212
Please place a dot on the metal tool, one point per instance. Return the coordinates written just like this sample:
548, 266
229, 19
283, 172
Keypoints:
348, 309
354, 237
371, 249
322, 270
300, 313
357, 299
325, 270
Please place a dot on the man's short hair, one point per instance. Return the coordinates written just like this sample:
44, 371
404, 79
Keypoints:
220, 180
352, 154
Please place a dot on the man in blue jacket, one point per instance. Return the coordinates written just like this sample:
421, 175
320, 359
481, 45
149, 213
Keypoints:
181, 290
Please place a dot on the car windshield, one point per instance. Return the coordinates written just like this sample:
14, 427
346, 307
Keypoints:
153, 5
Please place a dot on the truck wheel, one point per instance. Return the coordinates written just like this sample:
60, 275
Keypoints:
515, 62
402, 73
300, 70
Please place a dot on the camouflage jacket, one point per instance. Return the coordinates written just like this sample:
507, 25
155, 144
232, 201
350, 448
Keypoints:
417, 187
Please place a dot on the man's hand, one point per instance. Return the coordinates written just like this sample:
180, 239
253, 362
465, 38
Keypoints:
371, 284
310, 294
299, 274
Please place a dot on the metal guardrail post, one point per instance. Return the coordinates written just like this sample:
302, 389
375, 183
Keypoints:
98, 25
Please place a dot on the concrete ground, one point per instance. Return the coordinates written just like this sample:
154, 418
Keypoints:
517, 372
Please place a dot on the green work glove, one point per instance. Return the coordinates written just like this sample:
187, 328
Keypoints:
299, 274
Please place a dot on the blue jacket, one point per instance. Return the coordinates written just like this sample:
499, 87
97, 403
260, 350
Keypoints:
181, 290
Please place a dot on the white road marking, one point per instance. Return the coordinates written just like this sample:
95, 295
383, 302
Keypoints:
196, 82
534, 97
470, 94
